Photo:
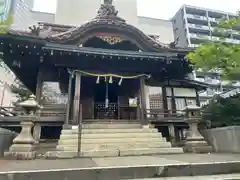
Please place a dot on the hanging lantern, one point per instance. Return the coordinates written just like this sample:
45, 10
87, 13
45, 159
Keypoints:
98, 80
120, 82
110, 80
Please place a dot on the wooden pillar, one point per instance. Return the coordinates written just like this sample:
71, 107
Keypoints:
165, 105
77, 97
38, 93
173, 101
143, 101
69, 99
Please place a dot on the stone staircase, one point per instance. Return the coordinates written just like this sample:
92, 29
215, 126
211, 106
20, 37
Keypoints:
112, 139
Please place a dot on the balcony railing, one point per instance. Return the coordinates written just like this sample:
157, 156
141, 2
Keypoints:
214, 38
197, 26
196, 17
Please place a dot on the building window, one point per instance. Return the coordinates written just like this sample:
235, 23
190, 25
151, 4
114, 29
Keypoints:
154, 98
181, 103
184, 97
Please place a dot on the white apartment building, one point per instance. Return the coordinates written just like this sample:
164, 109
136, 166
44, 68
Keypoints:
193, 25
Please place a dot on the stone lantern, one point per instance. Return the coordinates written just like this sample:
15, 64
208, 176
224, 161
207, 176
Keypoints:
24, 144
195, 141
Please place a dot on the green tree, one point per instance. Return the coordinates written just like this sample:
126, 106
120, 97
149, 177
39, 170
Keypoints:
20, 90
223, 111
4, 25
219, 54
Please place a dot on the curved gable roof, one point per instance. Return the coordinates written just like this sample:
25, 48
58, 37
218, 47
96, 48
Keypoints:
107, 21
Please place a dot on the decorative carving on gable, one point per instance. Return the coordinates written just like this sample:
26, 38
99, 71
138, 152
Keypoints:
111, 39
35, 30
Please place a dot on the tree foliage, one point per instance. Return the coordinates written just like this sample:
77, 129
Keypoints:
21, 91
4, 25
17, 87
219, 54
223, 111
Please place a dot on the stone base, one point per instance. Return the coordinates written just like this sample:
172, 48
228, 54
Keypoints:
20, 155
197, 147
21, 152
22, 148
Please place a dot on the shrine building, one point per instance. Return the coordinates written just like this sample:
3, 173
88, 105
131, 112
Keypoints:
106, 71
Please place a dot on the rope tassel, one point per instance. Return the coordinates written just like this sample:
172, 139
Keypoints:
98, 80
110, 80
120, 82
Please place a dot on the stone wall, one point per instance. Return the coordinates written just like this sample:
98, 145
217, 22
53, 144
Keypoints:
225, 139
6, 138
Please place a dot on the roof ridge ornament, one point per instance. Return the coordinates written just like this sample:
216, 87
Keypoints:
108, 11
108, 2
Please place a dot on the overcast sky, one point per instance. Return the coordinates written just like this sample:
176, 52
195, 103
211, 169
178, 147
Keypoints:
163, 9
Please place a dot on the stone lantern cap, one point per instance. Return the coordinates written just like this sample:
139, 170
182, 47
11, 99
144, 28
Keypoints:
191, 108
30, 103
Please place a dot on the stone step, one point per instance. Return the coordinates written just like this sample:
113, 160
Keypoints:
112, 135
106, 131
110, 126
114, 152
111, 140
149, 151
208, 177
114, 146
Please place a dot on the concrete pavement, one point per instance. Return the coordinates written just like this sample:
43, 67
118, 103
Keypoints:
162, 160
131, 167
